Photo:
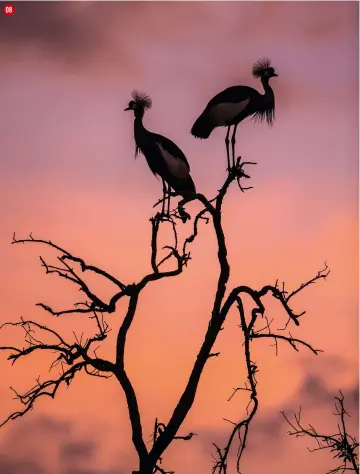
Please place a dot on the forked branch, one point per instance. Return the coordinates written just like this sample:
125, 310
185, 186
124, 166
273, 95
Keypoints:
240, 429
70, 357
79, 355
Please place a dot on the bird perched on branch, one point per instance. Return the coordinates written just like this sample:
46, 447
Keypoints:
231, 106
164, 158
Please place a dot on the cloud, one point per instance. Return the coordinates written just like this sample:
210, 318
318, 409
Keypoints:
27, 448
77, 450
53, 27
314, 393
72, 33
320, 388
44, 426
11, 465
82, 33
269, 429
91, 471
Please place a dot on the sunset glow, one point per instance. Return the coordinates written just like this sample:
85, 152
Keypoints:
68, 174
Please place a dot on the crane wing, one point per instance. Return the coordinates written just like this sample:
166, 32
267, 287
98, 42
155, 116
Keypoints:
176, 167
173, 157
228, 104
224, 113
171, 148
234, 94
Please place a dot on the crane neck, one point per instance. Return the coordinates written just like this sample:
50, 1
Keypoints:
138, 121
139, 114
139, 130
266, 85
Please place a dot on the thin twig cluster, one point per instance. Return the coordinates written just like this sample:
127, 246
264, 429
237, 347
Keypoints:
341, 444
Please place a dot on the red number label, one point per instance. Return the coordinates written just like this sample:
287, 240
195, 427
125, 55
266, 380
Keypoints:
9, 10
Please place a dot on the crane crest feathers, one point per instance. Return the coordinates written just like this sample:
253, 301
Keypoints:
142, 99
260, 67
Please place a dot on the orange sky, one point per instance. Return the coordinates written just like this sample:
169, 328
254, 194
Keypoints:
67, 173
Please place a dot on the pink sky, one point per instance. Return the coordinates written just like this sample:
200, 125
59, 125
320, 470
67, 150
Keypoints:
67, 173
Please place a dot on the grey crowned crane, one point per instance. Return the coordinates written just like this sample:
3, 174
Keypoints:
231, 106
164, 158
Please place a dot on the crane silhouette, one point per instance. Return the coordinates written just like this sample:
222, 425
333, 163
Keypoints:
234, 104
165, 159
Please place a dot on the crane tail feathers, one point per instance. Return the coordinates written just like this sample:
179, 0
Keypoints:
202, 127
190, 187
183, 186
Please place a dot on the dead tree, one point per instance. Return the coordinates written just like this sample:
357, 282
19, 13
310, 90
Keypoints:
80, 355
341, 444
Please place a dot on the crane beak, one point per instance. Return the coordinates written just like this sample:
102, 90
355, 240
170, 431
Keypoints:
127, 108
275, 75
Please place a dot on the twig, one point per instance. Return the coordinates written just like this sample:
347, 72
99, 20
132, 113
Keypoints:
342, 445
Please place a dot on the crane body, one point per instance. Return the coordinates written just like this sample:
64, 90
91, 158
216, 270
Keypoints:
234, 104
164, 157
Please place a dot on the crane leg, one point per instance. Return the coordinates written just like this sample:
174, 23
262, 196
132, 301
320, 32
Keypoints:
227, 142
233, 141
164, 197
168, 201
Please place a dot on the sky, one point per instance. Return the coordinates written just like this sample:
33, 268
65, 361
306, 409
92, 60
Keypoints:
68, 173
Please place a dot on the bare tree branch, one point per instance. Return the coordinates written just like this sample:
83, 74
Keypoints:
80, 355
67, 256
342, 445
76, 355
241, 428
47, 388
188, 396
